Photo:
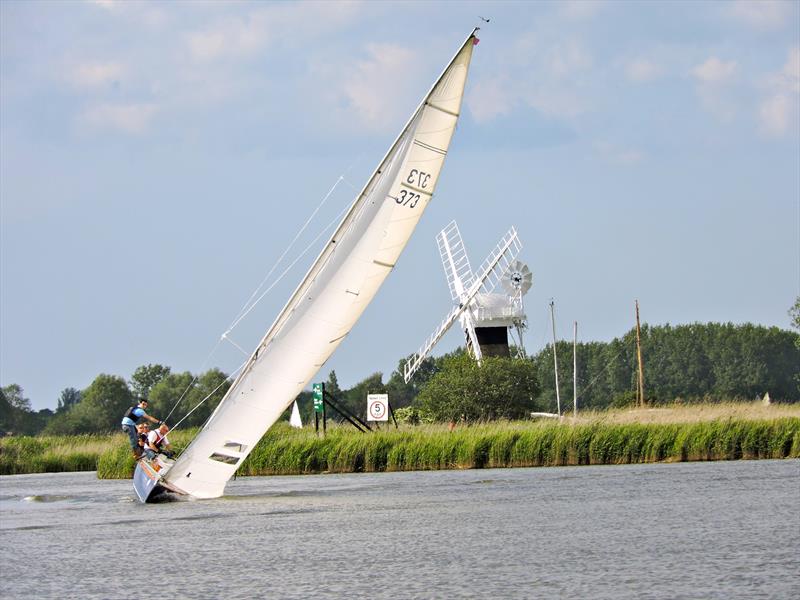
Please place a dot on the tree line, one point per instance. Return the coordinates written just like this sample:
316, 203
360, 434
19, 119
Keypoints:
688, 363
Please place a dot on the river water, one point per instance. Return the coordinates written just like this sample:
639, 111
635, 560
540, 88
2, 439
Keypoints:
689, 530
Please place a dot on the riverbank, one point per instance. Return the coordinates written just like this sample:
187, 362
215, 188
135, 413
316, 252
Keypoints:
728, 431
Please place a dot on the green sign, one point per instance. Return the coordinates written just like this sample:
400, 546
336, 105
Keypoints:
318, 389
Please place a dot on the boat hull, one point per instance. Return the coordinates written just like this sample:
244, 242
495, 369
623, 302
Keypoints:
148, 482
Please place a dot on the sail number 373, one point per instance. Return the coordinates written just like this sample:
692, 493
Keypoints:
416, 178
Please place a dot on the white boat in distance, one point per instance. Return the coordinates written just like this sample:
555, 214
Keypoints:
330, 298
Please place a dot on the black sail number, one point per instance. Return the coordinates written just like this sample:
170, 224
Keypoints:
407, 198
418, 178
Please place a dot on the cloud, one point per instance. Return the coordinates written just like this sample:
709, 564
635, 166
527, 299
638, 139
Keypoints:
490, 98
641, 70
788, 78
95, 74
126, 118
548, 78
763, 15
150, 15
231, 38
248, 35
106, 4
566, 58
580, 9
778, 112
774, 115
617, 155
712, 77
714, 71
366, 88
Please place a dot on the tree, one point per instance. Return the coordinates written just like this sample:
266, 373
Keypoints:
100, 410
355, 399
498, 388
16, 398
16, 415
145, 377
196, 397
69, 397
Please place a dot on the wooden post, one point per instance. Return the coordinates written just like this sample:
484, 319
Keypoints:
575, 371
640, 388
555, 358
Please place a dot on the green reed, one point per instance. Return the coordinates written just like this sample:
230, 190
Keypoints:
287, 451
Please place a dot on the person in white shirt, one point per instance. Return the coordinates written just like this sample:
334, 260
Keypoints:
157, 443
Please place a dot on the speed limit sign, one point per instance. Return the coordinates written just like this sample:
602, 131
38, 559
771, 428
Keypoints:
377, 407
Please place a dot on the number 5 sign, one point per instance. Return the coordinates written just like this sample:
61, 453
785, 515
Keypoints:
377, 407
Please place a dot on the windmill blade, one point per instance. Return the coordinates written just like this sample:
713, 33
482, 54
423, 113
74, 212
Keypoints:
414, 363
491, 272
489, 275
455, 261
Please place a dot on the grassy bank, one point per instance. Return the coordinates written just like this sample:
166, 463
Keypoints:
613, 437
522, 445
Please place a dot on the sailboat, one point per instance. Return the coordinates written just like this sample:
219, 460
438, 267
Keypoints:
328, 301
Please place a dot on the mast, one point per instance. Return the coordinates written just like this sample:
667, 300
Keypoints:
555, 358
334, 292
640, 387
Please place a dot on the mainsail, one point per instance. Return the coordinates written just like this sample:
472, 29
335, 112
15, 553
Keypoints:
335, 291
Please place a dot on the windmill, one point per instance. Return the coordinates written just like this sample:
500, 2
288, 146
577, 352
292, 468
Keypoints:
487, 317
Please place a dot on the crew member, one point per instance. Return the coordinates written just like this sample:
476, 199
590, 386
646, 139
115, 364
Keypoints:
157, 443
132, 416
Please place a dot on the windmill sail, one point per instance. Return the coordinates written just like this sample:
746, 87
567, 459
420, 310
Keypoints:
333, 294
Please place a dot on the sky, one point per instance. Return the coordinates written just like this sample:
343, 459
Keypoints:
157, 159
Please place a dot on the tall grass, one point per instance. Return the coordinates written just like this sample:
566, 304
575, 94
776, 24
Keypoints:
52, 454
110, 455
285, 451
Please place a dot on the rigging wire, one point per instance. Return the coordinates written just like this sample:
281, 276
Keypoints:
248, 307
244, 310
311, 244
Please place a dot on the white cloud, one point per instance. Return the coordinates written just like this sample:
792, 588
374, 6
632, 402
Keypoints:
366, 88
248, 35
617, 155
774, 115
568, 57
490, 98
788, 78
641, 70
580, 9
106, 4
549, 78
778, 112
95, 74
763, 15
557, 102
714, 71
127, 118
152, 16
713, 77
231, 38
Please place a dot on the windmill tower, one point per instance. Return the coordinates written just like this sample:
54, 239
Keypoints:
488, 318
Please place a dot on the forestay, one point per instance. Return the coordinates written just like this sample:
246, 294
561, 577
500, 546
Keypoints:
335, 291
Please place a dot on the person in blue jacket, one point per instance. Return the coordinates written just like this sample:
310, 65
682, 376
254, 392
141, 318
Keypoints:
132, 416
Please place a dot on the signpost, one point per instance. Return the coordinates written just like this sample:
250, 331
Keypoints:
318, 392
378, 407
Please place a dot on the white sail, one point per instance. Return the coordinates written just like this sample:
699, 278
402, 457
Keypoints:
336, 290
295, 420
